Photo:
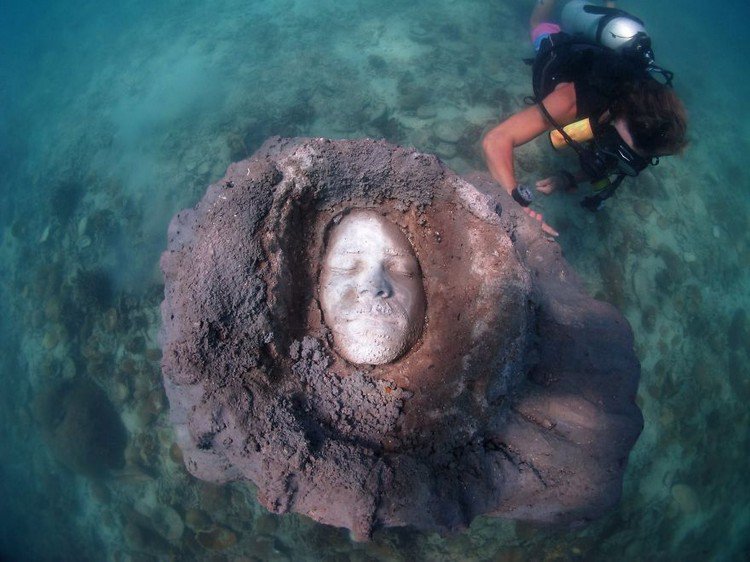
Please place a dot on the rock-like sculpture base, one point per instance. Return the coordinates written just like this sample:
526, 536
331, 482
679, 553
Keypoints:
517, 400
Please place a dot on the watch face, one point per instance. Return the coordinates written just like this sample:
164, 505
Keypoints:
525, 193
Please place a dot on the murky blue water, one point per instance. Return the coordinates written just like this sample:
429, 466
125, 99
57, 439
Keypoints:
113, 116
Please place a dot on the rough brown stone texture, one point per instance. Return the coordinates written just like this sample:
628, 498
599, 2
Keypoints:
518, 400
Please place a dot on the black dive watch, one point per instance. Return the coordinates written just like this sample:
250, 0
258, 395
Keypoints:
522, 195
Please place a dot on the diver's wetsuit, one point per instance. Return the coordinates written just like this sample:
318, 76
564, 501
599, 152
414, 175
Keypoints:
599, 75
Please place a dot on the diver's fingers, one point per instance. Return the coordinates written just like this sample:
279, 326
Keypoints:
546, 189
549, 230
547, 185
532, 214
539, 217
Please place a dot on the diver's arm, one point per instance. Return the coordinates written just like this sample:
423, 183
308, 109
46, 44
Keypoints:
520, 128
542, 12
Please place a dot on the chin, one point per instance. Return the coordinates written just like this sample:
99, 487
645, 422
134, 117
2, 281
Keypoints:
372, 344
372, 354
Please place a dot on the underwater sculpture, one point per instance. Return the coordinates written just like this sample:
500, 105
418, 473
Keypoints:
371, 290
477, 376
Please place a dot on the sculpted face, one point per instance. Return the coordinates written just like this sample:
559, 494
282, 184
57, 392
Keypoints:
371, 289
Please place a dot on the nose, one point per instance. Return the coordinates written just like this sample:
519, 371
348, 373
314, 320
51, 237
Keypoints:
376, 284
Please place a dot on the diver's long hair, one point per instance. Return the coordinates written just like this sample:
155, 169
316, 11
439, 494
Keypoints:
655, 116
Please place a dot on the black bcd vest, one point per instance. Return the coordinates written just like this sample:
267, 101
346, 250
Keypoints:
599, 74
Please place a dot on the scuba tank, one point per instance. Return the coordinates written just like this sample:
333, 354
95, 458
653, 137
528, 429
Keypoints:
609, 27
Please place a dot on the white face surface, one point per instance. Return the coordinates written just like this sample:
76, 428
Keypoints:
371, 290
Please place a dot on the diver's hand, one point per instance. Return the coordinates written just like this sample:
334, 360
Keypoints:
563, 180
538, 217
548, 185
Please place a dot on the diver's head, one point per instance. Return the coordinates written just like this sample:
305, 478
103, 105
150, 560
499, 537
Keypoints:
655, 118
616, 147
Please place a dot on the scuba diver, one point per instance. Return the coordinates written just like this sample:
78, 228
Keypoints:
598, 90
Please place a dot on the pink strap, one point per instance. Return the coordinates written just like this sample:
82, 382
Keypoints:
544, 28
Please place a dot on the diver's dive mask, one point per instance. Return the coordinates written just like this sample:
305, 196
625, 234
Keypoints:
618, 155
605, 153
609, 154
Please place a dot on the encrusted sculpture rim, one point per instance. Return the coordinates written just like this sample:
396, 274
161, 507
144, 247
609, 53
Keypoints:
258, 392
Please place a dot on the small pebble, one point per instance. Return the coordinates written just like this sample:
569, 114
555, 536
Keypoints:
450, 131
218, 538
643, 209
686, 498
266, 524
121, 392
426, 111
175, 453
50, 340
197, 520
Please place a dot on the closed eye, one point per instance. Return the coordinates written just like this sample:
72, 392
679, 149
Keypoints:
403, 269
345, 266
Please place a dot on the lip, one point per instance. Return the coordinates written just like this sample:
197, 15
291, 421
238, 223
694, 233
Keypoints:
389, 318
371, 317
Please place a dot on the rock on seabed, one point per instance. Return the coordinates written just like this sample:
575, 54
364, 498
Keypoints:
517, 401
